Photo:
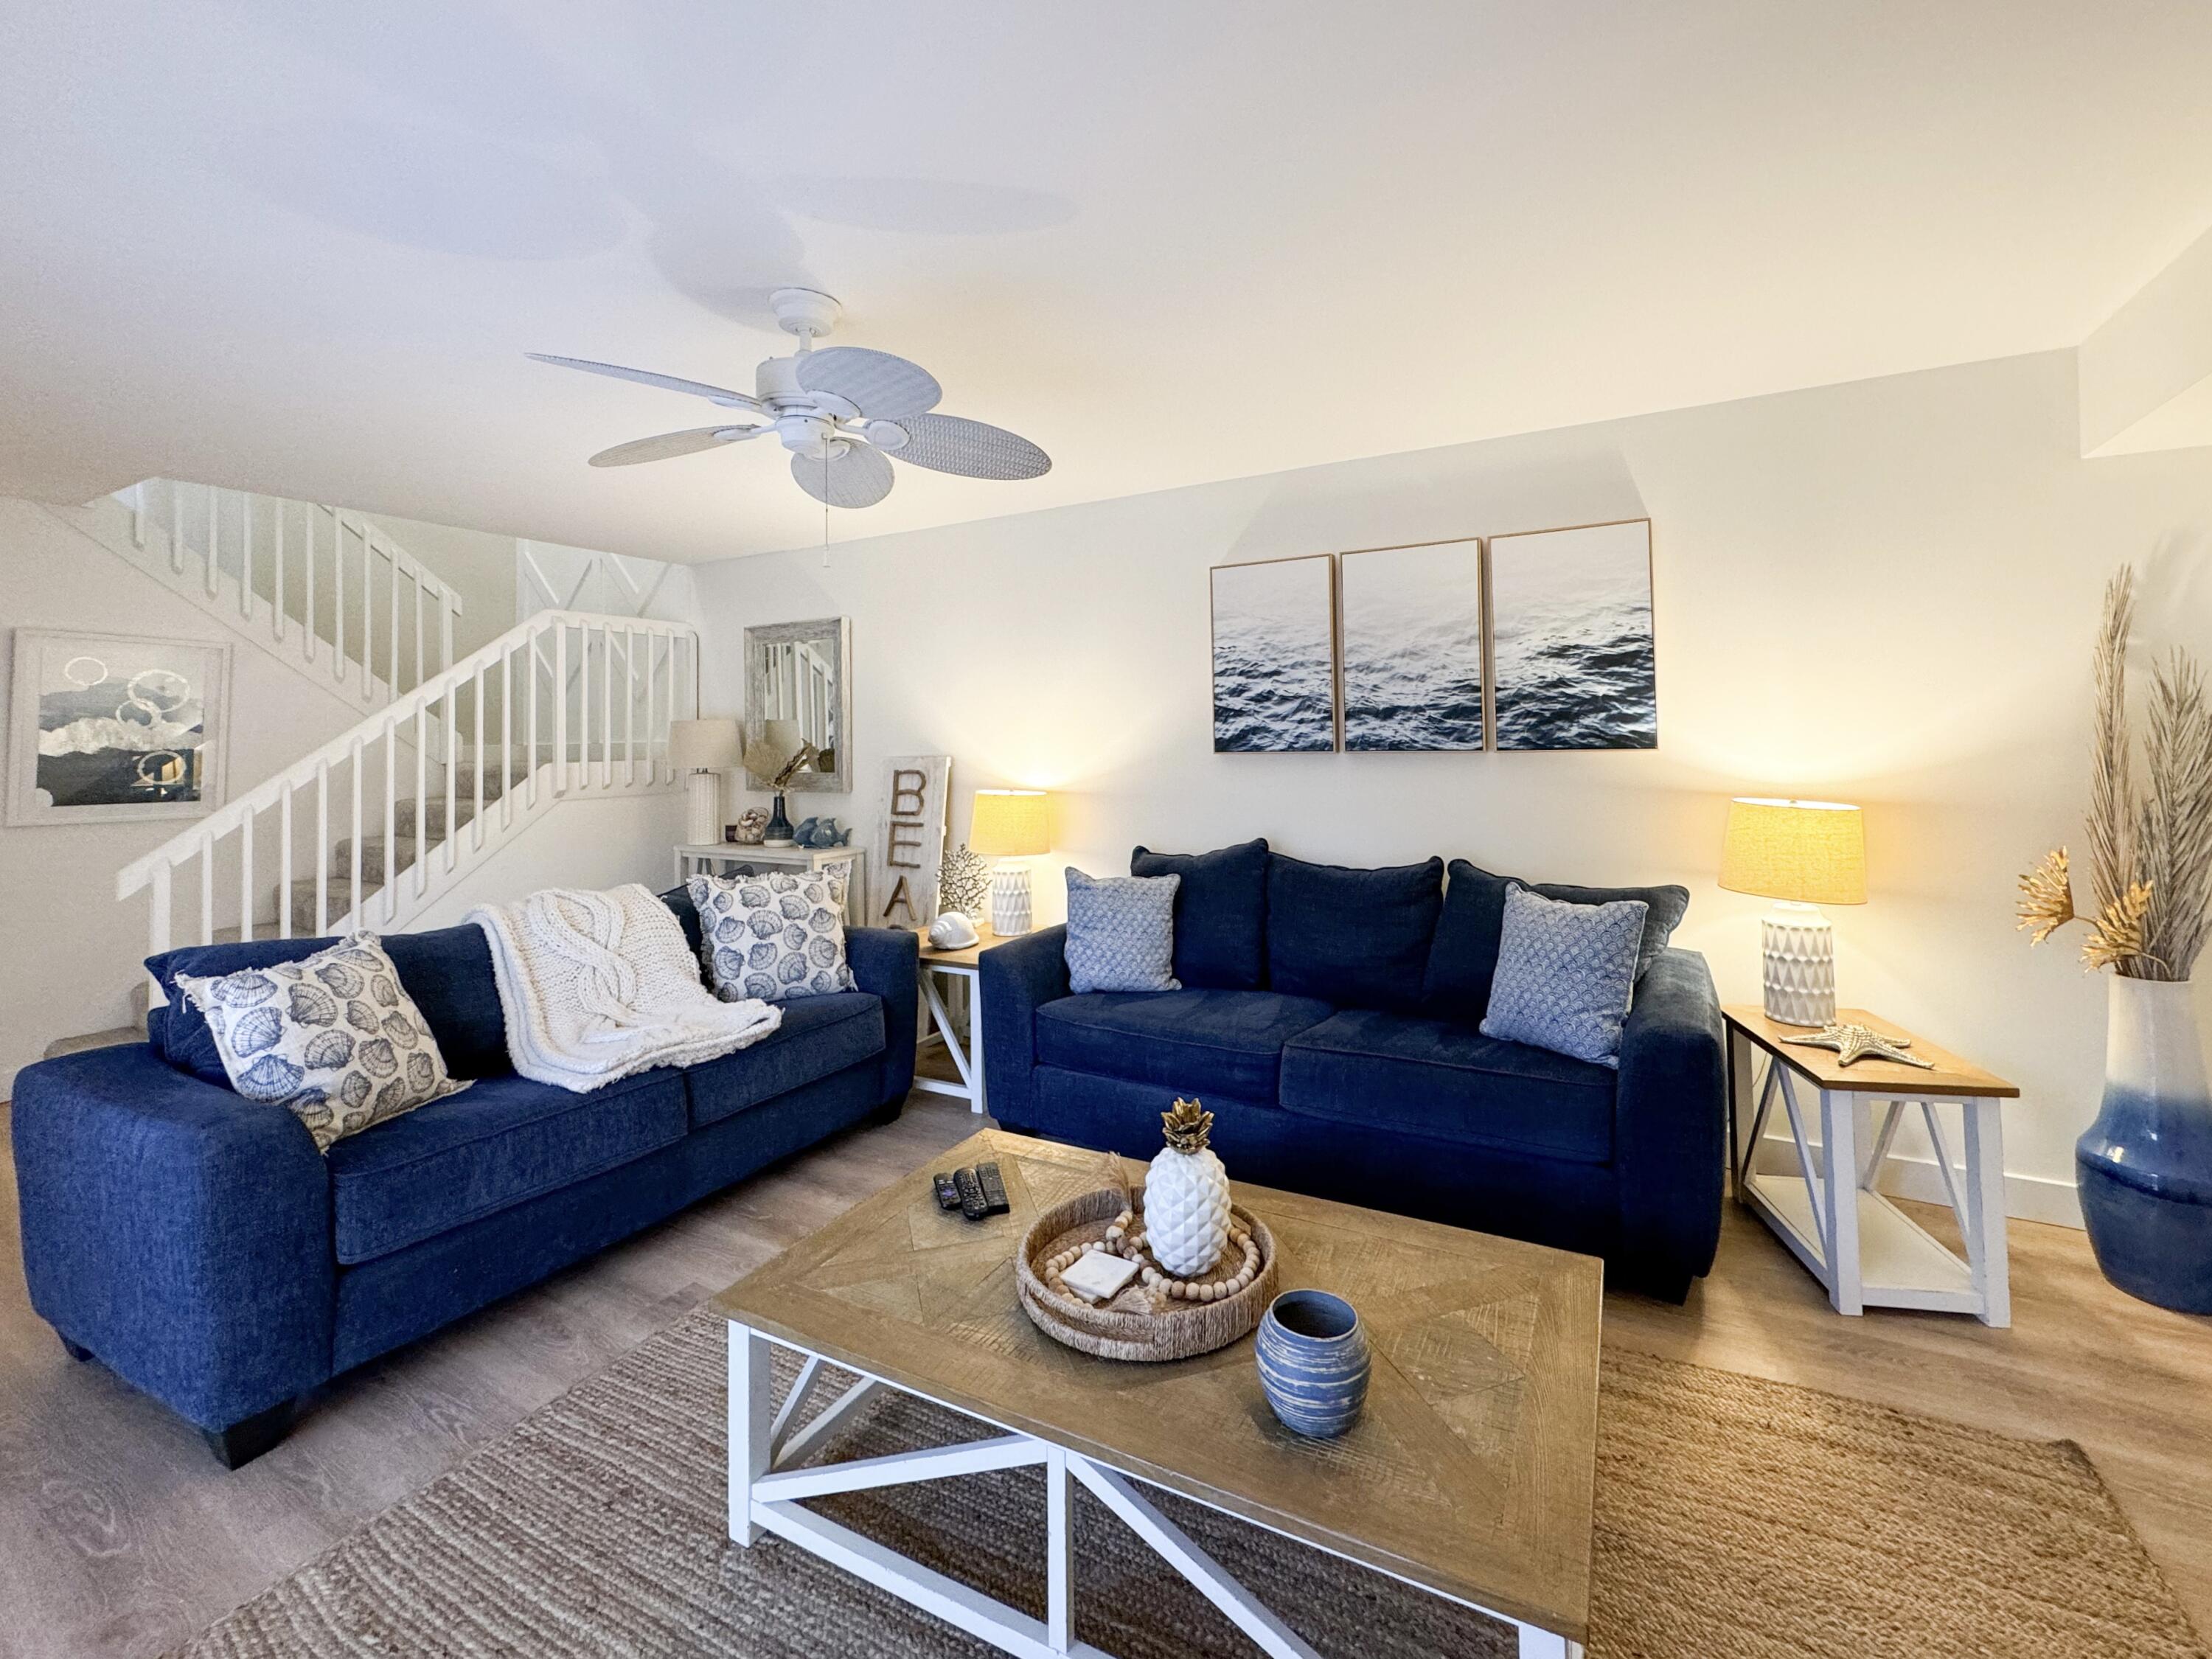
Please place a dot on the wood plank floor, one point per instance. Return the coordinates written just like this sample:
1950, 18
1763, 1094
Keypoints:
119, 1534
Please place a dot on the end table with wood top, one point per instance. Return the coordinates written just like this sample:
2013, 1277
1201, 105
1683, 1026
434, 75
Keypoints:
1862, 1247
965, 1050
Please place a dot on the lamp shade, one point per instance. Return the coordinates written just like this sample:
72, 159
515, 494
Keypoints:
1009, 823
778, 742
1812, 852
703, 745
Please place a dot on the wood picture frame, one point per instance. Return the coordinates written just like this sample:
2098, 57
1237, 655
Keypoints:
1570, 638
1412, 646
158, 747
1274, 630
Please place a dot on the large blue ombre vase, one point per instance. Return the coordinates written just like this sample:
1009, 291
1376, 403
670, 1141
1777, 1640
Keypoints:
2145, 1165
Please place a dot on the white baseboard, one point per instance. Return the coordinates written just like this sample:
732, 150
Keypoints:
2027, 1198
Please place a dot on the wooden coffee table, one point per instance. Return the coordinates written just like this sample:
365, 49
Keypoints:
1469, 1476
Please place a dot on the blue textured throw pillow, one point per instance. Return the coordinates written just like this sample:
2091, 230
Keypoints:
1565, 973
1465, 954
1121, 932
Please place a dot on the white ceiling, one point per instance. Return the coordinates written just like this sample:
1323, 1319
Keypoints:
303, 248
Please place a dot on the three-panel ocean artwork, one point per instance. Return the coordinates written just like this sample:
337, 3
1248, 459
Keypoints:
1541, 640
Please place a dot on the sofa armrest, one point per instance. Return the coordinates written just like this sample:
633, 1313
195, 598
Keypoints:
179, 1232
1671, 1127
885, 961
1016, 979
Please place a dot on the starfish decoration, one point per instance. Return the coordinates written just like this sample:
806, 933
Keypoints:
1855, 1043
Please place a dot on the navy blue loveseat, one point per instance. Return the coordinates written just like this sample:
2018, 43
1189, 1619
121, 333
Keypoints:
1328, 1021
199, 1246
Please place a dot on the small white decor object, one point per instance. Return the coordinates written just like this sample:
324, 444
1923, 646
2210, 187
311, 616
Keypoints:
953, 932
1801, 854
334, 1038
912, 833
106, 727
1010, 825
703, 748
1187, 1195
1098, 1275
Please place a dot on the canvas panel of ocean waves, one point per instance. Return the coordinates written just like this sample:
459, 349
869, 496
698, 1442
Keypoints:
1412, 646
1572, 647
1274, 663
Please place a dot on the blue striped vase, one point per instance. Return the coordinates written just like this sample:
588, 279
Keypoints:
1313, 1362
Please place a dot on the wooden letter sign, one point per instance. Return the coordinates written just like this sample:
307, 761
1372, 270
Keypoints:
914, 836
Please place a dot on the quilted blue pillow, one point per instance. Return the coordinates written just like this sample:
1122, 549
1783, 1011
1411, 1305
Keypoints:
1121, 932
1565, 973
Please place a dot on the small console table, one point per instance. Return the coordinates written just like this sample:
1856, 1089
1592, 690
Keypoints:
1864, 1249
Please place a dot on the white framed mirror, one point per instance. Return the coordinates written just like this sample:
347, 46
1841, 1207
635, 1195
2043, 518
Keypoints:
801, 672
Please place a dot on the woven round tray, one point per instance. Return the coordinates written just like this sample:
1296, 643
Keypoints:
1138, 1323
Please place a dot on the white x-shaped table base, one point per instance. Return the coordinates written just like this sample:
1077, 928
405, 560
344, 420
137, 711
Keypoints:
767, 1484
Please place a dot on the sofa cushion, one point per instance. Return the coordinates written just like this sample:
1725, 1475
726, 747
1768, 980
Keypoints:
1359, 939
1228, 1042
1464, 958
819, 1035
1437, 1078
1220, 914
446, 970
490, 1147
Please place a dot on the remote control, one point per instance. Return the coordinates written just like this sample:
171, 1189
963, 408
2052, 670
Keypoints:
948, 1192
994, 1190
972, 1204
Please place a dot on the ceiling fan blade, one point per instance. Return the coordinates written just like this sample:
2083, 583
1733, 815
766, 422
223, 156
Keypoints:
951, 443
670, 444
881, 387
647, 376
859, 477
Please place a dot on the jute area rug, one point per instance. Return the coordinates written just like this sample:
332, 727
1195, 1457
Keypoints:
1734, 1517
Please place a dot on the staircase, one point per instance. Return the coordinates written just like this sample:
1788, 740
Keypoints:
370, 829
320, 588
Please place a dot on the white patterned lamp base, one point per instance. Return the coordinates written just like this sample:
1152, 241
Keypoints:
703, 819
1798, 960
1009, 900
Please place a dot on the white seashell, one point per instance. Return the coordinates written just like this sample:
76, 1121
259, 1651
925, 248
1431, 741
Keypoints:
952, 932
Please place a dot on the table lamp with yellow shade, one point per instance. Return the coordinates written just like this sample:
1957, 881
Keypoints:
1009, 825
1802, 854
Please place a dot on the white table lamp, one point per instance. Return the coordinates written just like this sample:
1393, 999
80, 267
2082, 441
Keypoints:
1009, 825
702, 748
1802, 854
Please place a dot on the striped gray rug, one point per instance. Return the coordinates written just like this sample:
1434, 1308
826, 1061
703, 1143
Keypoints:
1736, 1518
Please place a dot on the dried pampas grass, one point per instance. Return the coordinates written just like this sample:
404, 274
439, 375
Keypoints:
2150, 855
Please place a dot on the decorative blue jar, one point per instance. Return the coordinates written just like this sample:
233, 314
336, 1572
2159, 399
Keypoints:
1314, 1363
2144, 1167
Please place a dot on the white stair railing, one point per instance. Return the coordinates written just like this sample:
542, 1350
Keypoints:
567, 703
319, 582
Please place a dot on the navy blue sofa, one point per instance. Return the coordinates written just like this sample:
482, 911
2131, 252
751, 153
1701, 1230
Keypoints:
1329, 1018
199, 1247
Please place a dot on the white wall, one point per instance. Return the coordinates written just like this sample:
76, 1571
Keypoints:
69, 951
1882, 593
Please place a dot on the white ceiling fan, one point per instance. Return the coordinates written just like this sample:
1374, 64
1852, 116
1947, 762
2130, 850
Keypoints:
839, 412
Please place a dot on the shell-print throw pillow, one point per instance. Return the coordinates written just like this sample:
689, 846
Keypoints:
778, 936
334, 1037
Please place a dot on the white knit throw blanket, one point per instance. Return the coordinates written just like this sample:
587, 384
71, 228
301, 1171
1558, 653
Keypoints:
600, 986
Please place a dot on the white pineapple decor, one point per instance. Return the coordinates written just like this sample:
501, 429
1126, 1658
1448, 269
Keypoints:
1187, 1195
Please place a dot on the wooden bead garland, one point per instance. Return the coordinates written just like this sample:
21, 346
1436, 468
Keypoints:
1130, 1247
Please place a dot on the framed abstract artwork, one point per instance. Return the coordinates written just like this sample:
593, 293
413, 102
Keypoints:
1572, 664
1274, 655
1412, 661
104, 727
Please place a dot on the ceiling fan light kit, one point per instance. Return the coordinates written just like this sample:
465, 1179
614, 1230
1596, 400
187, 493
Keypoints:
839, 411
